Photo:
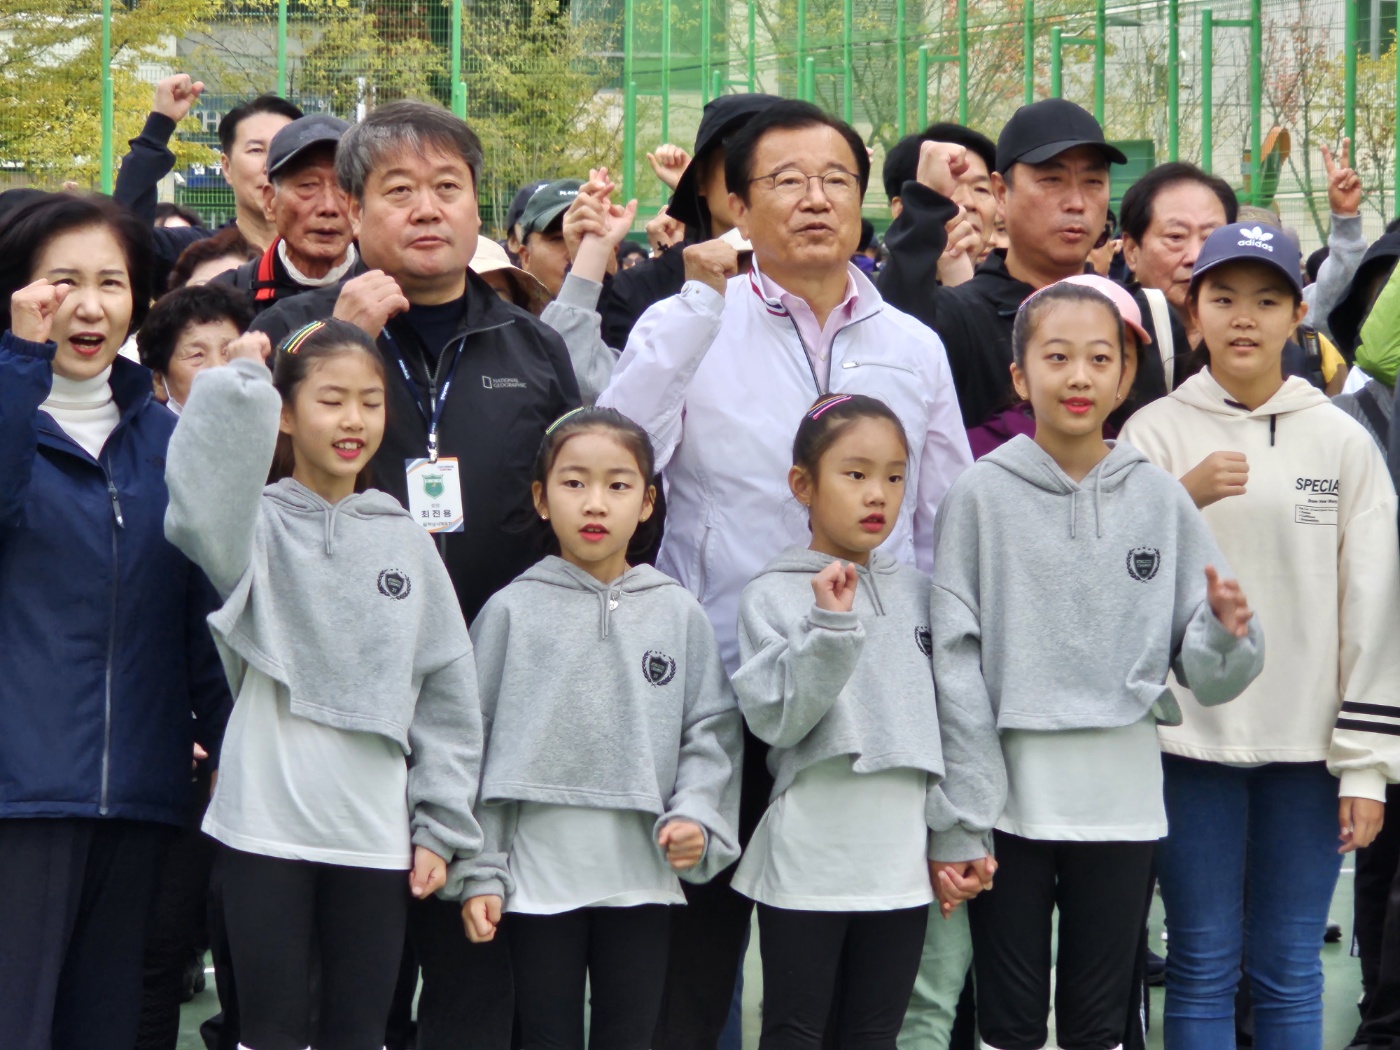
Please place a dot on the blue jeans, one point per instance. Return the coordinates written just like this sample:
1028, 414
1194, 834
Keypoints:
1247, 873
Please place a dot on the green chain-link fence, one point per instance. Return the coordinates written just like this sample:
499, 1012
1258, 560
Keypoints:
554, 88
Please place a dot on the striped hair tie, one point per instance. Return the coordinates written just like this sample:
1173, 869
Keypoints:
821, 406
293, 342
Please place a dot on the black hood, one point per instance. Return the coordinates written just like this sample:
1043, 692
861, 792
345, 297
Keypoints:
721, 118
1349, 314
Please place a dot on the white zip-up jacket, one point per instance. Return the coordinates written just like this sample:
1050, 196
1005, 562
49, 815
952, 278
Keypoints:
1313, 543
721, 384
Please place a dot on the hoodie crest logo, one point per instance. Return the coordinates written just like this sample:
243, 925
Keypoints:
658, 668
924, 637
1143, 563
394, 584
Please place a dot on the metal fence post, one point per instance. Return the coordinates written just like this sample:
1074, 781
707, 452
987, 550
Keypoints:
107, 100
1173, 79
1207, 85
1028, 50
901, 60
962, 61
1349, 67
1100, 34
847, 57
282, 48
629, 102
923, 86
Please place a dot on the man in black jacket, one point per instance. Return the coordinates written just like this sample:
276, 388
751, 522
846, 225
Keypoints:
471, 378
313, 248
1052, 183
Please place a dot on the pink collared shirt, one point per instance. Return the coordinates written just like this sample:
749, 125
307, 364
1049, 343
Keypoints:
816, 338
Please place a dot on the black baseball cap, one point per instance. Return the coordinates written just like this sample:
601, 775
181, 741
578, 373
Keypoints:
1250, 242
720, 118
518, 202
1047, 128
548, 203
300, 135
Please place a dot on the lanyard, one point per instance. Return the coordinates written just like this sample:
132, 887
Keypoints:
437, 398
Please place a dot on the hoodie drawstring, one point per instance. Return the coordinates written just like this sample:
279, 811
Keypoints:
874, 593
1073, 513
607, 602
330, 527
1273, 427
1098, 508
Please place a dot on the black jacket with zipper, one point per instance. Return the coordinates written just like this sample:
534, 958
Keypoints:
512, 380
975, 319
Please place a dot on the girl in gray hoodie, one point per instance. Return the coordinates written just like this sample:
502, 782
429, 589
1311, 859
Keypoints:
834, 641
612, 741
352, 753
1070, 575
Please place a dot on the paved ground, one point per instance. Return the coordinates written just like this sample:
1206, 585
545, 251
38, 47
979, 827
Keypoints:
1343, 986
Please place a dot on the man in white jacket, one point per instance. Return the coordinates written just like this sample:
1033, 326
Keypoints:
720, 376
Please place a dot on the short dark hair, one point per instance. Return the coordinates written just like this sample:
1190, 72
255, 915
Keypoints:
397, 126
830, 417
1315, 261
173, 313
26, 231
902, 159
228, 127
168, 210
228, 241
788, 115
1135, 212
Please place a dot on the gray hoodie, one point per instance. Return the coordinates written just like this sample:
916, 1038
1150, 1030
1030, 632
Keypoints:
348, 606
634, 713
816, 684
1063, 606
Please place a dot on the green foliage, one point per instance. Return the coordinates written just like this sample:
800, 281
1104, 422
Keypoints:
535, 94
51, 88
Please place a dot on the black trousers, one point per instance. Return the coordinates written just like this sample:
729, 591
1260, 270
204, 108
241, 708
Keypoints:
877, 954
1378, 931
74, 895
1100, 889
708, 934
279, 914
467, 1001
619, 952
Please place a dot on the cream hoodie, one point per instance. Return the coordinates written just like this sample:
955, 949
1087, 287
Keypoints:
1313, 542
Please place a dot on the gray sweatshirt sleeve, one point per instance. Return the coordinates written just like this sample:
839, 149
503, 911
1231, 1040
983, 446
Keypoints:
712, 749
1209, 660
1346, 244
487, 872
792, 675
445, 765
574, 315
216, 468
963, 807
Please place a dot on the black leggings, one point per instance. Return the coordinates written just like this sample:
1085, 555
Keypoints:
1100, 889
877, 954
622, 954
279, 912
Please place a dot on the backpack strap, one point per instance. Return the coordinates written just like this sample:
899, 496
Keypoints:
1162, 329
1374, 413
265, 282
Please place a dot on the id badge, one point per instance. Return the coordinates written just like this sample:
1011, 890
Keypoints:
435, 494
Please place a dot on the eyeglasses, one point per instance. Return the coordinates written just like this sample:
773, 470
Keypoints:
791, 184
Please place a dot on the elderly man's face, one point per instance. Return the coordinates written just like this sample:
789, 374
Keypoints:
1184, 214
418, 221
810, 229
312, 213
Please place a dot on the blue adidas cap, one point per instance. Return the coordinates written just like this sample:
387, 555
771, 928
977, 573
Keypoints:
1251, 242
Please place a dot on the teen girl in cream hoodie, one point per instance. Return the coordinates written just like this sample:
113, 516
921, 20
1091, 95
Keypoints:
1299, 500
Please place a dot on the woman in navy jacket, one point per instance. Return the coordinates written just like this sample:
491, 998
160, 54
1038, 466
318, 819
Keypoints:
108, 673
